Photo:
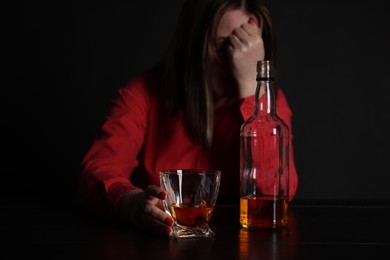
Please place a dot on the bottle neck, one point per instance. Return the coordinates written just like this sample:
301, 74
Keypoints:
264, 97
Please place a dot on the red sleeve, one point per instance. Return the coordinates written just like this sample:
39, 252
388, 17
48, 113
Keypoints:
109, 163
284, 112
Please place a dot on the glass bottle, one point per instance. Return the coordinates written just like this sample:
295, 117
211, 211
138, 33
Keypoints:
264, 165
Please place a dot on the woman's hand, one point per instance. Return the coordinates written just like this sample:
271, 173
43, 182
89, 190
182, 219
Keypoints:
245, 48
144, 210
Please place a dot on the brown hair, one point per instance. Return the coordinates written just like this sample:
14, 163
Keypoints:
185, 64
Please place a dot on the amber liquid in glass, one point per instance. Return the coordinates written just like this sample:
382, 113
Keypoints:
194, 217
263, 212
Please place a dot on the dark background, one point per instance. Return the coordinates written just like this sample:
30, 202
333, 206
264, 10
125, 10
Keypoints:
63, 62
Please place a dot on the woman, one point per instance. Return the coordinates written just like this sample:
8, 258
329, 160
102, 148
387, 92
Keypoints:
184, 113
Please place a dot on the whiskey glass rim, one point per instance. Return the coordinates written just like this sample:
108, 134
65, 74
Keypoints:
186, 171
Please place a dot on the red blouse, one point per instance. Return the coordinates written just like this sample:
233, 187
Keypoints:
137, 141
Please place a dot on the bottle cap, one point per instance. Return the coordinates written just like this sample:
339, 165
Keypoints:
264, 70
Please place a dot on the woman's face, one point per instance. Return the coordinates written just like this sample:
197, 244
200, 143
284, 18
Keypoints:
222, 81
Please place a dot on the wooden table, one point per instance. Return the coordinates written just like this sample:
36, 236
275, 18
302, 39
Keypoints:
316, 231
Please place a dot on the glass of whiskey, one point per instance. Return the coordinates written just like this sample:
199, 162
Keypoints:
191, 199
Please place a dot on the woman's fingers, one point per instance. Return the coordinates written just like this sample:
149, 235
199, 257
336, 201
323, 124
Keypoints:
150, 213
245, 48
144, 209
155, 212
157, 220
245, 36
158, 193
155, 191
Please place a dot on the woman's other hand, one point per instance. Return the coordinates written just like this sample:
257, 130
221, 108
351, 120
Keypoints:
245, 48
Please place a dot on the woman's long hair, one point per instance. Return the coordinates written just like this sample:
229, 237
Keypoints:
185, 65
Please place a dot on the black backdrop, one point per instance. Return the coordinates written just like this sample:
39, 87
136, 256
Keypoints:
63, 62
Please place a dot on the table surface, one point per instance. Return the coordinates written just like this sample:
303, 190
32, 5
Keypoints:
315, 231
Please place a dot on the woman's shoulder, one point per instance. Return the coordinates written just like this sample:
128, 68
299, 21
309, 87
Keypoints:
138, 91
145, 81
144, 84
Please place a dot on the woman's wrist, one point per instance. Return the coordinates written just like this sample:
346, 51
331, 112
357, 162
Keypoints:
127, 204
